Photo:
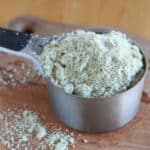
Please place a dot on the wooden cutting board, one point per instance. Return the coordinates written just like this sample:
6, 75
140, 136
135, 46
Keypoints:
134, 136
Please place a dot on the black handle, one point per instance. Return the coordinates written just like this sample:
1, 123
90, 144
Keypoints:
13, 39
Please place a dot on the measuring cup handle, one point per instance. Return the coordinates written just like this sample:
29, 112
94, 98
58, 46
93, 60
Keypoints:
13, 40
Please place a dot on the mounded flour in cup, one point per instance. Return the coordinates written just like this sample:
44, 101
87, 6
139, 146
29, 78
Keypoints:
92, 65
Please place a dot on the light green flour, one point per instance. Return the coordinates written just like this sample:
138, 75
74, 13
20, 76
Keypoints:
92, 65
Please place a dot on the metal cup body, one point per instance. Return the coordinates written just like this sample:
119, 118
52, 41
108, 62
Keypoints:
95, 115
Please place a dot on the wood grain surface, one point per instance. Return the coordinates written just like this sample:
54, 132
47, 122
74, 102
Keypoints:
134, 136
131, 15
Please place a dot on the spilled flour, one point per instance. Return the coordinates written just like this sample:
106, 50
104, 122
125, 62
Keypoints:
17, 73
23, 130
59, 141
92, 65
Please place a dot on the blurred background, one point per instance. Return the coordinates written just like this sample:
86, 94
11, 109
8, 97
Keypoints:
131, 15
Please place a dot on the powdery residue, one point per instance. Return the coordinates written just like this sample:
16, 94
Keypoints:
15, 70
23, 129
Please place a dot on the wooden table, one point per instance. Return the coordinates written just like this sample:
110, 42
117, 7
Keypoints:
132, 15
134, 136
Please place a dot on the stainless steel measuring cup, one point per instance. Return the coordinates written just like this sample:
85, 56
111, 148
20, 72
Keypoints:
89, 114
96, 114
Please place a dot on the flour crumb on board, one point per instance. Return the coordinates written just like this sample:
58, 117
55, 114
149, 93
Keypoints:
23, 129
59, 141
85, 141
32, 120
